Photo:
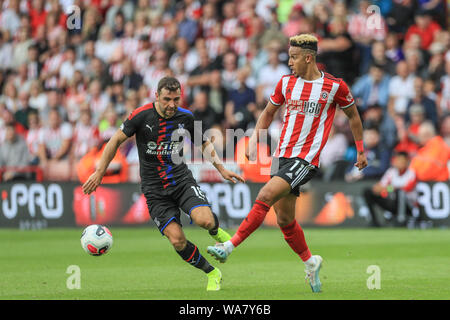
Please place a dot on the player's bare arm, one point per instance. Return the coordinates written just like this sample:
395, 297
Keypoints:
211, 155
108, 154
264, 121
357, 131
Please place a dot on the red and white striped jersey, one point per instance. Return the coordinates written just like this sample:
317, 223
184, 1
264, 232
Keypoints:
309, 114
405, 181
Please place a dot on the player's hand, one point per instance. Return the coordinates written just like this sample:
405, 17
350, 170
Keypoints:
361, 161
92, 182
231, 176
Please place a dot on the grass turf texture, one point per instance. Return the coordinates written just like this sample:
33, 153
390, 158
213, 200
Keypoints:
142, 265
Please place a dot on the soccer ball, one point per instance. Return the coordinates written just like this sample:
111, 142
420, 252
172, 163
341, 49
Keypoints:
96, 240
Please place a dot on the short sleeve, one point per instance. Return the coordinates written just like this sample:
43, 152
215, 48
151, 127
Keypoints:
343, 96
277, 97
131, 124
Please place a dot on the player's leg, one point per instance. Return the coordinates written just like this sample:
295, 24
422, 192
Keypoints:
193, 201
295, 237
190, 253
272, 191
205, 218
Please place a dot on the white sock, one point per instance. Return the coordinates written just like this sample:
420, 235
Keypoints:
311, 261
229, 246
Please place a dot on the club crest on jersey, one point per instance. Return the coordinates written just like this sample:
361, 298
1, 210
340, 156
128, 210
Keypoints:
304, 107
324, 95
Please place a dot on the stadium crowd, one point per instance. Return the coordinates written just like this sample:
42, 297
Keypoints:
72, 70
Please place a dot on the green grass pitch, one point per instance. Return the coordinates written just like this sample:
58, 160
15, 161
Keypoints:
414, 264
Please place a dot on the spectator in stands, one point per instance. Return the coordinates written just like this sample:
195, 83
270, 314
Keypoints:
6, 53
378, 157
37, 99
20, 47
109, 124
430, 163
395, 192
130, 79
187, 27
10, 17
401, 15
199, 78
242, 101
417, 117
401, 89
116, 172
85, 136
54, 102
69, 66
13, 153
425, 27
97, 100
372, 88
429, 107
55, 143
229, 72
268, 75
217, 94
106, 45
365, 27
33, 134
126, 7
9, 96
404, 141
375, 115
379, 57
8, 119
393, 49
337, 52
203, 112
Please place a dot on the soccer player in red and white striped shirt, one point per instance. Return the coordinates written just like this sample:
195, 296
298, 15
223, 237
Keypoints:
311, 99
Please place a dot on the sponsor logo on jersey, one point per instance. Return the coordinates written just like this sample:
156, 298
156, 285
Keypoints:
304, 107
164, 147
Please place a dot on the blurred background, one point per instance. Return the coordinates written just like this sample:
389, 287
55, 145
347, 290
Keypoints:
71, 72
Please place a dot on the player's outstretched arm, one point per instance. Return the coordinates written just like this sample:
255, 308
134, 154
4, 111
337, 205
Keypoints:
108, 154
357, 131
211, 155
264, 121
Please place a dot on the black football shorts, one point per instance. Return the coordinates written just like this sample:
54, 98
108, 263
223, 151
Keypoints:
164, 204
295, 171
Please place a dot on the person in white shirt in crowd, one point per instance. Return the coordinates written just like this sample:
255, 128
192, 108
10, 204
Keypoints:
55, 143
269, 75
401, 89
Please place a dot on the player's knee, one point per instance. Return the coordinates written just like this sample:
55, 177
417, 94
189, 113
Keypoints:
206, 221
178, 242
265, 195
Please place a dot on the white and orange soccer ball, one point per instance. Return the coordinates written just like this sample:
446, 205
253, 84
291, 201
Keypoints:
96, 240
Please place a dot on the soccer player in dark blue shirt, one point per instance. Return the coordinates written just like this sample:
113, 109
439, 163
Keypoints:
166, 182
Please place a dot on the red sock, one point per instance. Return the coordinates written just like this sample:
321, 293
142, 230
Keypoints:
294, 236
251, 222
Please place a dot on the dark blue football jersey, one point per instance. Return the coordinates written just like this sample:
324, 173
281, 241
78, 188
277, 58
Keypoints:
160, 144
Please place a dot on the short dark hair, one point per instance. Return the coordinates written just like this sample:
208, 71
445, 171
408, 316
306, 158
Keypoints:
169, 83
